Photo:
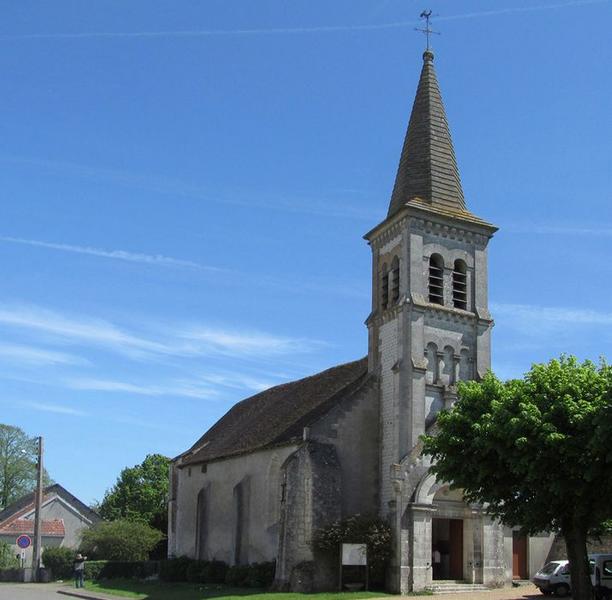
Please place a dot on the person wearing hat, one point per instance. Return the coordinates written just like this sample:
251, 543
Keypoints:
79, 570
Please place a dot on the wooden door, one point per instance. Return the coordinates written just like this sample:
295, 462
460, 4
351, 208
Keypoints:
519, 556
456, 549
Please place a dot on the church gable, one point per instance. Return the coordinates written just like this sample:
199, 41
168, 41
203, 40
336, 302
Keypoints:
276, 416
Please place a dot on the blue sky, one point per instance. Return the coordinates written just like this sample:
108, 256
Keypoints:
185, 186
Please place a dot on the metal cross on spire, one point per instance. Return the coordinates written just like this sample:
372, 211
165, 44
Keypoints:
426, 14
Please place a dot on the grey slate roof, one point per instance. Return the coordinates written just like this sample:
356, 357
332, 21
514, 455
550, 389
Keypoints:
277, 415
428, 170
50, 490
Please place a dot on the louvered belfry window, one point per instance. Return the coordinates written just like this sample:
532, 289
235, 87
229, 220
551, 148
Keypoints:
385, 287
395, 281
460, 285
436, 279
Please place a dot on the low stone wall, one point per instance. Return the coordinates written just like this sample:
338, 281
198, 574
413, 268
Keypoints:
601, 545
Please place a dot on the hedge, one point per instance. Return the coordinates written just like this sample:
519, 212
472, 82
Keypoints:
59, 561
256, 575
114, 569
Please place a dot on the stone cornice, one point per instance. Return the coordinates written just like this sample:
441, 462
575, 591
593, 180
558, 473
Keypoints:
454, 225
450, 230
433, 311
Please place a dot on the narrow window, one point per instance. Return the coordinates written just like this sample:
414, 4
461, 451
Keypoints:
436, 279
385, 287
460, 285
395, 280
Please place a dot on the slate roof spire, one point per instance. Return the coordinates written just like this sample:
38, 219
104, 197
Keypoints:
428, 172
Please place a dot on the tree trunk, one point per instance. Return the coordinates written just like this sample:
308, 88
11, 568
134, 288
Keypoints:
575, 537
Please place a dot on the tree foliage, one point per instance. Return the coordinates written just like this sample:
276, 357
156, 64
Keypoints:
536, 452
120, 540
140, 494
18, 460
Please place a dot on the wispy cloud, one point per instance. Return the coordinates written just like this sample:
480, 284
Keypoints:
150, 259
162, 340
594, 230
79, 330
236, 381
545, 315
38, 356
212, 33
55, 408
244, 343
184, 389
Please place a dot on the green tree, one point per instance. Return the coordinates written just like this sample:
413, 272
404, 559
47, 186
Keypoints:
120, 540
536, 452
18, 460
140, 494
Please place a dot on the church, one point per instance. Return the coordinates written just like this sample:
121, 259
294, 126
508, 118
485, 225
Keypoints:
299, 456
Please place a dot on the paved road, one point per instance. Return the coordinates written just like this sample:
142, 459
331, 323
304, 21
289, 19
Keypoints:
37, 591
29, 591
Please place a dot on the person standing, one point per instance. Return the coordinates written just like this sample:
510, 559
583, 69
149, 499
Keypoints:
79, 570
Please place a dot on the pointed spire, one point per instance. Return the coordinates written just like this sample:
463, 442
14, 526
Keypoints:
427, 170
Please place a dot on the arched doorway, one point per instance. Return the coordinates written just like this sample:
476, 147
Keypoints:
448, 535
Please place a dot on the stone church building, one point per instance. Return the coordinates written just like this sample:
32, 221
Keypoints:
296, 457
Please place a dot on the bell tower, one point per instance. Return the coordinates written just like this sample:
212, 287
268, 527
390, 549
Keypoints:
430, 324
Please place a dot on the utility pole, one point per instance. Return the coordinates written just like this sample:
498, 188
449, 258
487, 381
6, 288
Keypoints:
37, 549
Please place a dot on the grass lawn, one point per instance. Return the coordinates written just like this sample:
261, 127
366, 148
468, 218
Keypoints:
187, 591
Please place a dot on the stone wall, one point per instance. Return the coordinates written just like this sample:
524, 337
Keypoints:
599, 545
352, 428
259, 507
312, 499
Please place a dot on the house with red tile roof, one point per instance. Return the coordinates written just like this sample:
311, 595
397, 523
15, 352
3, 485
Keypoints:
63, 515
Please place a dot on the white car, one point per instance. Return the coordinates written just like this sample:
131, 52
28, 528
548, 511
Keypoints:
554, 578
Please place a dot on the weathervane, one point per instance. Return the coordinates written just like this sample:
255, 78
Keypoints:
426, 14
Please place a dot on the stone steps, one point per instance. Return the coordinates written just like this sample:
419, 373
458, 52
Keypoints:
454, 587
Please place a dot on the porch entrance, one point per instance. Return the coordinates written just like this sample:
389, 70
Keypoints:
447, 548
519, 556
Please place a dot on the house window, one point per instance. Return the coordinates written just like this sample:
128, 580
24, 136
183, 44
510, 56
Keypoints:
460, 285
385, 287
436, 279
395, 280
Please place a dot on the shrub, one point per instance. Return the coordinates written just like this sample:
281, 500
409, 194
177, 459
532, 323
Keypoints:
217, 571
8, 560
196, 571
261, 574
93, 569
256, 575
174, 569
123, 541
358, 529
236, 575
110, 569
60, 561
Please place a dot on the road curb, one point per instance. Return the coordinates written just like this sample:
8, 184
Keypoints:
85, 595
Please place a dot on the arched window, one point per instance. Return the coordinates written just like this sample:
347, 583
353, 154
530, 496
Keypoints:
385, 287
436, 279
202, 523
460, 285
395, 280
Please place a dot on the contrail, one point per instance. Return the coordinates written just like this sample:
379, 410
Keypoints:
287, 30
156, 259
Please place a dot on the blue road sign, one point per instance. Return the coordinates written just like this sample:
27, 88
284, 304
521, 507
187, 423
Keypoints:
24, 541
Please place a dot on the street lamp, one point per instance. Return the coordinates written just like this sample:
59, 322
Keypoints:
38, 495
